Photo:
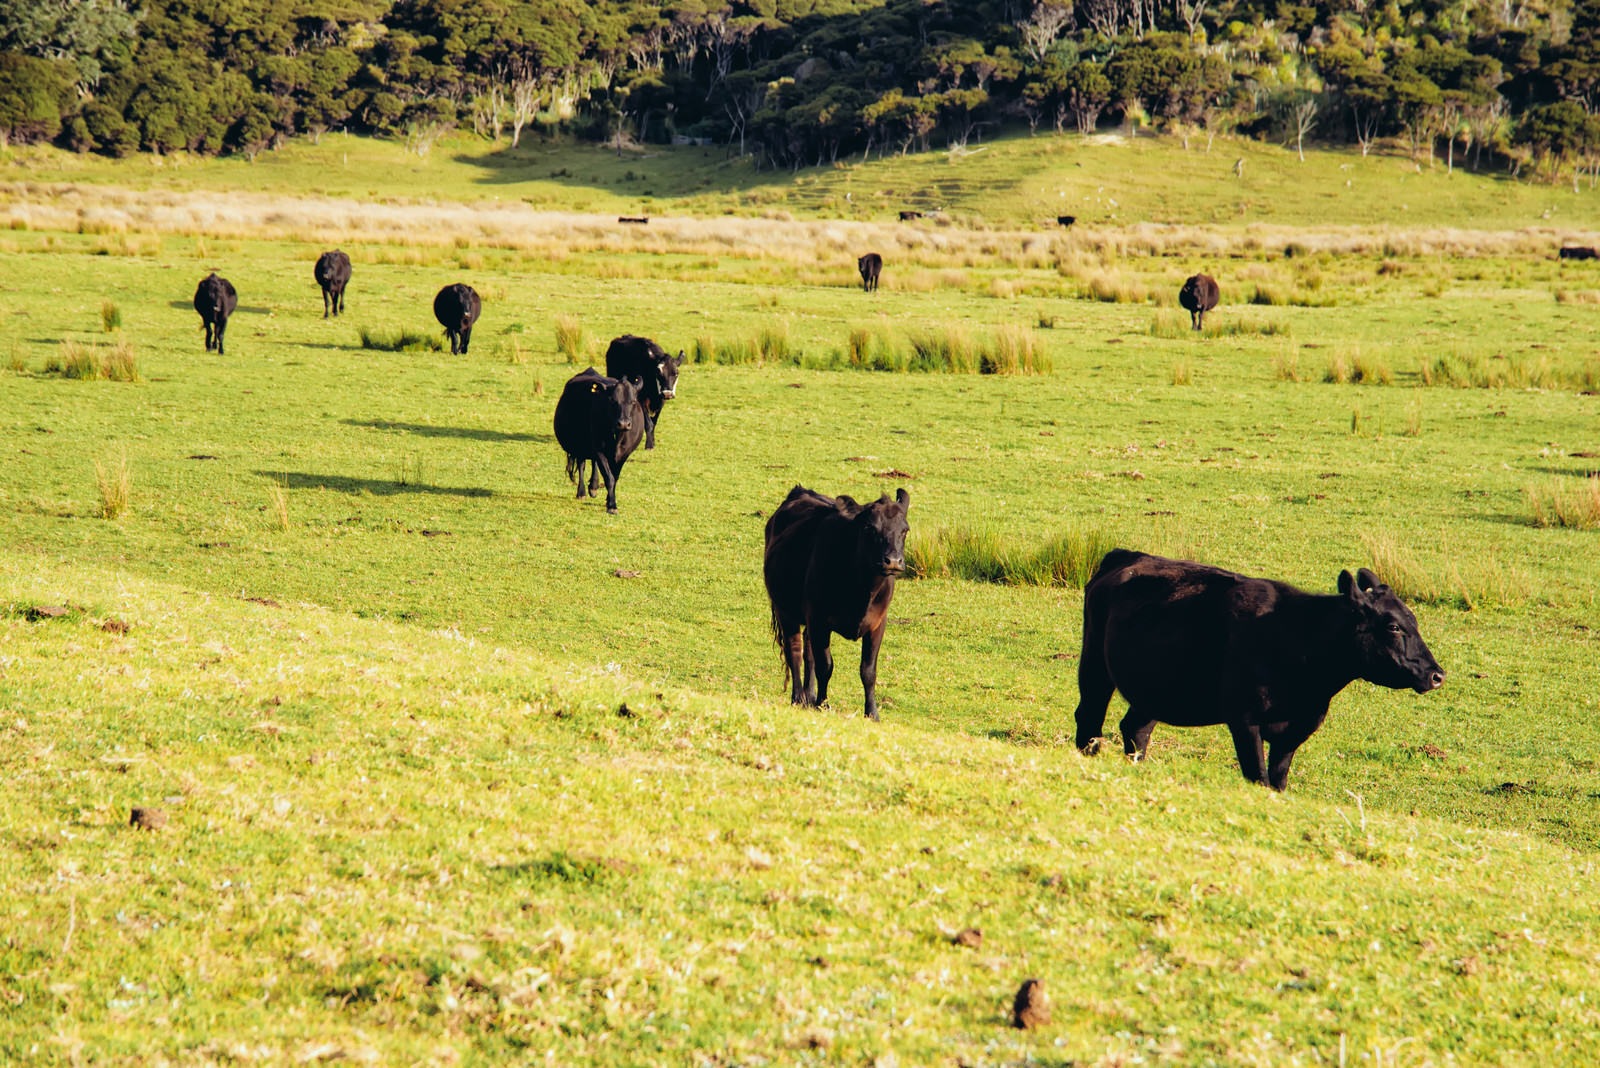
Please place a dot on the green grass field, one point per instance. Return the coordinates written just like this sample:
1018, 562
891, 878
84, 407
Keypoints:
457, 768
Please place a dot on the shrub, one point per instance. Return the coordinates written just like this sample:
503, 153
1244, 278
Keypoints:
983, 555
116, 485
1566, 503
569, 337
400, 340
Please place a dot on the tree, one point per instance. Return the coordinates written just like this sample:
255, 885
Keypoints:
1042, 26
1086, 92
1555, 133
31, 94
87, 34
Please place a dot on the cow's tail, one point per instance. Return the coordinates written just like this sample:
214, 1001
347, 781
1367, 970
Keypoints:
573, 465
783, 646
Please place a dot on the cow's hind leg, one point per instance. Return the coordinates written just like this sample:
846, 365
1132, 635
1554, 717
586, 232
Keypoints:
327, 305
1136, 728
220, 328
649, 427
1094, 691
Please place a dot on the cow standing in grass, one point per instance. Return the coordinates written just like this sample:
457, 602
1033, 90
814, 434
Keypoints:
870, 266
332, 273
1195, 646
639, 357
457, 307
830, 566
599, 422
1198, 296
215, 299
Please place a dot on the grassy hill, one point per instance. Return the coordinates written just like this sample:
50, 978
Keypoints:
1016, 181
455, 768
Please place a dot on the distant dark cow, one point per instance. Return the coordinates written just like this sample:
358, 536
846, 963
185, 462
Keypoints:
1198, 296
599, 421
332, 274
1577, 252
1066, 220
1194, 646
870, 266
830, 568
642, 220
457, 307
215, 299
641, 358
907, 216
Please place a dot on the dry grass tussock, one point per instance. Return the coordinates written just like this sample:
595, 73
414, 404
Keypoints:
1458, 583
115, 481
238, 215
114, 363
1566, 502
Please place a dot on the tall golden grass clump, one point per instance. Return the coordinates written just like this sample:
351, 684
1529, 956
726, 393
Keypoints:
1182, 372
278, 502
1483, 581
1286, 363
1013, 350
569, 337
115, 479
110, 316
983, 555
1566, 502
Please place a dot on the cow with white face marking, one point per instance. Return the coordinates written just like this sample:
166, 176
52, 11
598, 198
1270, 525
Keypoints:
639, 357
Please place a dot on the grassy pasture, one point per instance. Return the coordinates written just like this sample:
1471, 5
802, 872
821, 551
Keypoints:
409, 822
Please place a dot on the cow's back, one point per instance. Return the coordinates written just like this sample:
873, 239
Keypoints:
574, 409
1199, 293
333, 268
215, 298
792, 534
630, 356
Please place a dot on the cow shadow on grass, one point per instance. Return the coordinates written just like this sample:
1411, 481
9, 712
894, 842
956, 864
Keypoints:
378, 487
467, 432
248, 309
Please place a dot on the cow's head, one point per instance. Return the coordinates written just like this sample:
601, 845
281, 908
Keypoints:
667, 374
617, 404
880, 533
1391, 651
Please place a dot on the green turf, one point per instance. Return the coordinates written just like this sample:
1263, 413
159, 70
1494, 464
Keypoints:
377, 654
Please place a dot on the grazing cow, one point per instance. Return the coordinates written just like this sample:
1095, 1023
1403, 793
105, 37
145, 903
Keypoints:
641, 358
642, 220
907, 216
1195, 646
1577, 252
332, 274
457, 307
599, 420
830, 567
1198, 296
215, 299
870, 266
1066, 220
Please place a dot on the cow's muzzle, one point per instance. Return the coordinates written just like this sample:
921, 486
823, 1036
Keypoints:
1431, 681
668, 394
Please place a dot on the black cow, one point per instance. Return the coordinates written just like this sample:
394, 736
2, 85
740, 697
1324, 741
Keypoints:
1066, 220
457, 307
599, 420
1195, 646
870, 266
215, 299
830, 567
907, 216
1577, 252
1198, 296
641, 358
332, 274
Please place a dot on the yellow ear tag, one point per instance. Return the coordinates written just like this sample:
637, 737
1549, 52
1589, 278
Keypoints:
594, 387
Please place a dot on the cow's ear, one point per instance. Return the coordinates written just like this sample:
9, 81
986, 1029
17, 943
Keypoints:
847, 503
680, 360
903, 497
1347, 586
1366, 581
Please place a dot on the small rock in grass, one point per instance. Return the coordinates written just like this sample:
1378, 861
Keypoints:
147, 819
1031, 1008
970, 937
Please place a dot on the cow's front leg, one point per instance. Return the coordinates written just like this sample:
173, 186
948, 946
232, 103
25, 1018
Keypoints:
821, 656
611, 484
1286, 743
871, 641
1247, 744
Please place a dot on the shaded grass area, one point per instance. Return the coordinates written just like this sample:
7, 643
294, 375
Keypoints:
399, 340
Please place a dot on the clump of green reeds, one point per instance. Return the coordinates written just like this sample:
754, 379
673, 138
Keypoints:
1566, 502
15, 361
1012, 350
943, 348
399, 340
569, 337
1286, 364
1182, 372
116, 363
984, 555
115, 480
772, 344
1115, 288
1468, 585
110, 316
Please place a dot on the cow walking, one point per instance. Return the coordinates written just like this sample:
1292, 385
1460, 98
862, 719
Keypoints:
830, 566
1576, 252
1195, 646
639, 357
1198, 296
215, 299
599, 422
332, 273
457, 307
870, 266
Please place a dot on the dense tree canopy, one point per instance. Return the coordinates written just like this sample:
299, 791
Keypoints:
803, 82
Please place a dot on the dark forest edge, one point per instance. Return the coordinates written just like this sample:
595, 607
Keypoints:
804, 82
